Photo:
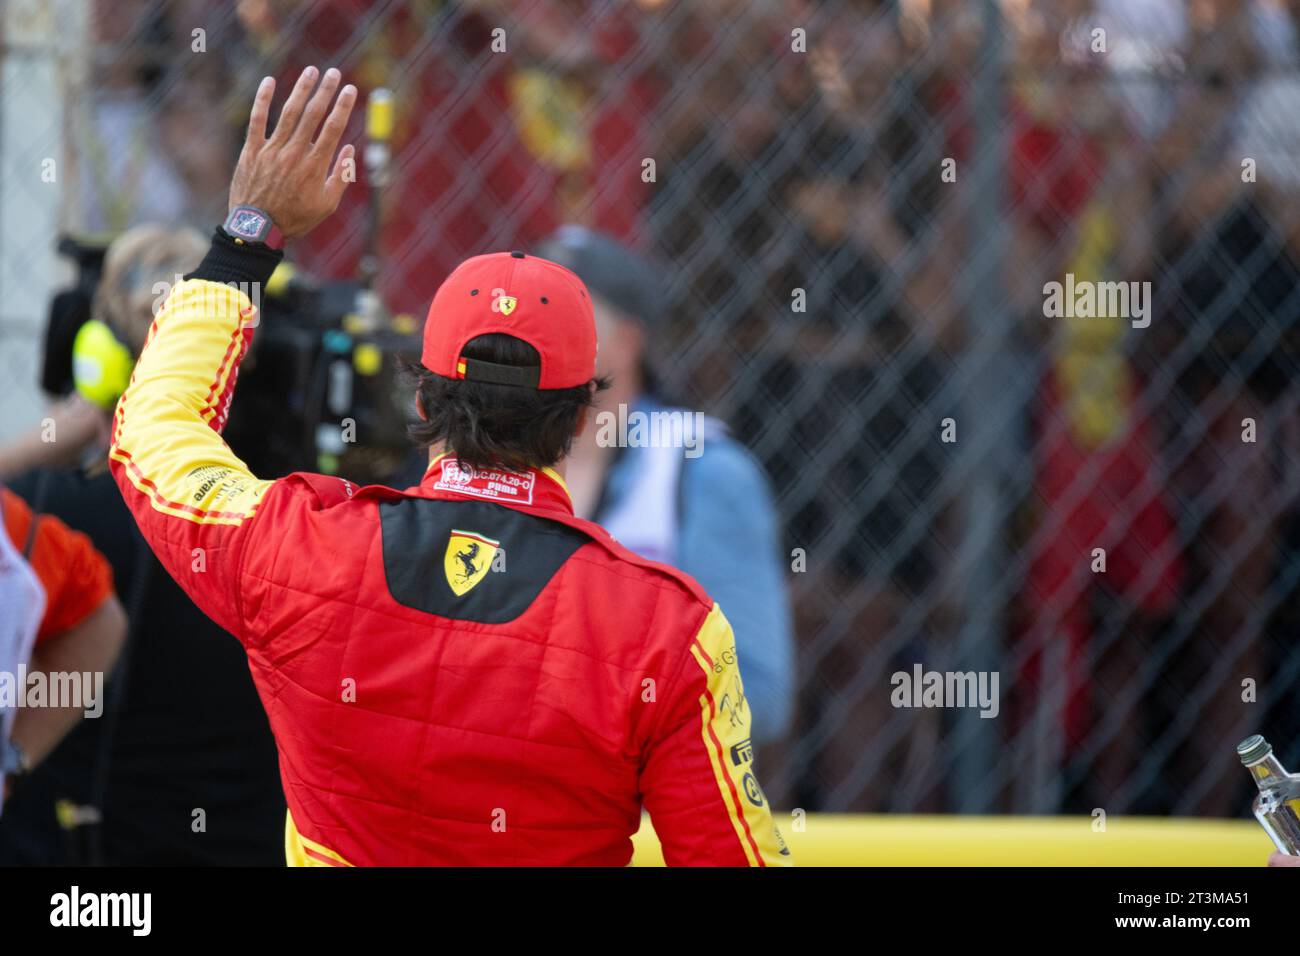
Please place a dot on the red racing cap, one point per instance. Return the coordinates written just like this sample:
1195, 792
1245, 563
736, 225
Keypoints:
532, 299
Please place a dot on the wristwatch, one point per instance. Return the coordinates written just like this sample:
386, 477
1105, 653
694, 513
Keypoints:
250, 224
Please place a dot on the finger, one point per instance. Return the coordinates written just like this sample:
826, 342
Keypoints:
316, 106
292, 111
336, 122
344, 172
261, 111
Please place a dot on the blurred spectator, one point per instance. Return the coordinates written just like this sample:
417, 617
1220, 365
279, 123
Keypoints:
808, 295
705, 509
58, 617
1083, 208
124, 178
1229, 303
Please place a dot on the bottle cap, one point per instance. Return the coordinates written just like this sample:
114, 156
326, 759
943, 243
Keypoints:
1253, 749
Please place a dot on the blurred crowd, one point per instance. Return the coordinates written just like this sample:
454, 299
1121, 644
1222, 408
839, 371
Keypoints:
854, 206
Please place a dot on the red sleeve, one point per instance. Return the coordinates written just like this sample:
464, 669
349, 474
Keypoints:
76, 577
698, 781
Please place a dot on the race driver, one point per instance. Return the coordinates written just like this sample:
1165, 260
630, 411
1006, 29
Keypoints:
463, 673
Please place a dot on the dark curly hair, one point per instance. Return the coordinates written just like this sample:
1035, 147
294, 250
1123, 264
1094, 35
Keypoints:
499, 426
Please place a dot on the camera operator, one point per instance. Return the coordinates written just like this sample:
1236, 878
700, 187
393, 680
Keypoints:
182, 770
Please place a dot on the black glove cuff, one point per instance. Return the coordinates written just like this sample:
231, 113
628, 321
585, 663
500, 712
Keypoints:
231, 261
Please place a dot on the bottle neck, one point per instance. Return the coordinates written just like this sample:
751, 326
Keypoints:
1267, 773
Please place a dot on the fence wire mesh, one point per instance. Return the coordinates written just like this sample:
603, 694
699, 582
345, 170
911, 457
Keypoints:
859, 209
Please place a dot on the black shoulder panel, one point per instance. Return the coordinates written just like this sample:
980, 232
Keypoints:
502, 581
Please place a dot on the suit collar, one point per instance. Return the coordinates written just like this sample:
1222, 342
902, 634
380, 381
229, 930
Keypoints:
533, 488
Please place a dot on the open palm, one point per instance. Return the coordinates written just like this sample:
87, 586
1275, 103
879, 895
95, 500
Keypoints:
293, 175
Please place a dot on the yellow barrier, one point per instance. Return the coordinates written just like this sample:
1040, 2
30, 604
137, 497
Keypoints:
844, 840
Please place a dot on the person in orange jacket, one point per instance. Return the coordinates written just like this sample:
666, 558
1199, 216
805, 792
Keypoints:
58, 617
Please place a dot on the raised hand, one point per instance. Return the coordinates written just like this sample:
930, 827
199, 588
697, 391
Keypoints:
293, 175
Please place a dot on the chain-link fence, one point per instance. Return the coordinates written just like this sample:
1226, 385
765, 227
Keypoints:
1002, 296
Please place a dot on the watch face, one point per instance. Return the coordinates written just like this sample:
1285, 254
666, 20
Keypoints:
247, 223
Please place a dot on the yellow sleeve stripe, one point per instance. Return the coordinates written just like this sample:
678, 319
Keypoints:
299, 851
730, 798
727, 736
221, 384
177, 509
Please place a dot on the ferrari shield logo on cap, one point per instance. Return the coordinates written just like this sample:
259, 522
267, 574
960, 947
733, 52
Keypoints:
469, 556
505, 304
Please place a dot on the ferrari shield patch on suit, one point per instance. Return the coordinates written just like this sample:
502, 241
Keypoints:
468, 558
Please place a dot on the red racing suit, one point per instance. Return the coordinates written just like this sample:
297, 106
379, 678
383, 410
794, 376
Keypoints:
461, 673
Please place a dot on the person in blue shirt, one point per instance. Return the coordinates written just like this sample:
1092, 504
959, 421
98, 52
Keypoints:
690, 496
